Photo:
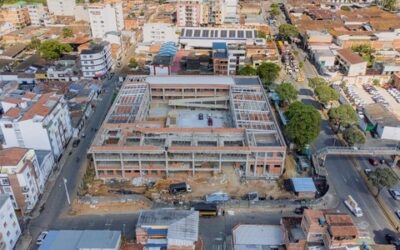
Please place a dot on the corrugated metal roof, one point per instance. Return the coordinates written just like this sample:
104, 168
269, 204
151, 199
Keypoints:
303, 185
256, 236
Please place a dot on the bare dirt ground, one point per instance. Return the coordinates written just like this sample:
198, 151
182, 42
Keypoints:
109, 208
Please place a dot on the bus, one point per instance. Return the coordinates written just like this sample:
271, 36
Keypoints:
206, 209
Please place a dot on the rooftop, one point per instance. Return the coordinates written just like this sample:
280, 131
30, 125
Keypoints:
218, 33
303, 185
257, 236
12, 156
379, 114
350, 56
3, 199
95, 48
14, 50
81, 239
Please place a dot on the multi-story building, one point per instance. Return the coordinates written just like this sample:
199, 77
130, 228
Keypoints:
105, 17
227, 59
350, 63
16, 14
61, 8
38, 14
41, 122
159, 33
189, 13
189, 125
18, 177
96, 62
10, 230
229, 11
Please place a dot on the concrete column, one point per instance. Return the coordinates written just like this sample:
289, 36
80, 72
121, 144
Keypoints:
193, 163
122, 165
247, 165
140, 165
265, 163
95, 165
219, 163
166, 162
255, 164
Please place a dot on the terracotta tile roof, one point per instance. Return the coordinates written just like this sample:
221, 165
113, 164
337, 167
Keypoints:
338, 219
13, 112
29, 95
313, 215
11, 156
12, 100
343, 230
341, 224
40, 108
350, 56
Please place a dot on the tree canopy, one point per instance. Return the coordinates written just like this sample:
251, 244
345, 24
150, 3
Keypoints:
287, 30
383, 178
34, 44
304, 124
343, 115
53, 49
261, 34
287, 92
316, 81
67, 32
133, 63
274, 11
389, 4
268, 72
366, 52
326, 94
353, 135
247, 71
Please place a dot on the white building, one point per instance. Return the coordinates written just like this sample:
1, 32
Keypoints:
105, 18
385, 123
38, 14
9, 229
229, 11
189, 13
40, 122
159, 32
81, 13
350, 63
236, 58
96, 61
19, 167
61, 8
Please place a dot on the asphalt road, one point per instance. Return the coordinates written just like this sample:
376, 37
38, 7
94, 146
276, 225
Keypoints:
73, 167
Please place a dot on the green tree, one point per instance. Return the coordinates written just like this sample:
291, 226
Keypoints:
389, 4
287, 30
345, 8
34, 44
353, 135
133, 63
287, 92
141, 13
274, 12
53, 49
261, 34
67, 32
383, 178
316, 81
326, 94
343, 115
366, 52
304, 124
247, 71
274, 6
268, 72
301, 65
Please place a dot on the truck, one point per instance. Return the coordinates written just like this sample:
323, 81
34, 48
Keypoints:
352, 205
206, 209
181, 187
217, 197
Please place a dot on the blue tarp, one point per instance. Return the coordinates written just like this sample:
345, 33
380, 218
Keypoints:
303, 185
151, 231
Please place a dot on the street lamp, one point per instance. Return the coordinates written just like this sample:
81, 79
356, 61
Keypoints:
66, 191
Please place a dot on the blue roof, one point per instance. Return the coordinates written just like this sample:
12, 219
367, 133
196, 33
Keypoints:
303, 185
168, 49
219, 45
75, 87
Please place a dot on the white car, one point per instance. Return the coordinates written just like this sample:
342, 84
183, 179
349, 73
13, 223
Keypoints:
41, 238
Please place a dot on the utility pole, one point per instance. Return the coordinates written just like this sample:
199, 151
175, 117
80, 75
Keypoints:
66, 191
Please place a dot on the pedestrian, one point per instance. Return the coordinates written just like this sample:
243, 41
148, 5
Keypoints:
223, 212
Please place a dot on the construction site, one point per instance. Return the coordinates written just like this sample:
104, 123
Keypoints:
170, 126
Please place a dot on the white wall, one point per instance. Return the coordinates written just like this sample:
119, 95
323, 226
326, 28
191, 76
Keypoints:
389, 133
12, 231
105, 18
61, 7
159, 32
357, 69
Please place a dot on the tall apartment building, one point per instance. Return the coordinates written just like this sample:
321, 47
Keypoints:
159, 32
9, 229
16, 14
61, 7
96, 61
105, 17
38, 14
189, 13
229, 11
19, 169
227, 59
40, 122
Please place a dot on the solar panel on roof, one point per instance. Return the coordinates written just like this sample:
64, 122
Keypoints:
232, 33
205, 33
248, 34
197, 33
189, 33
223, 33
240, 33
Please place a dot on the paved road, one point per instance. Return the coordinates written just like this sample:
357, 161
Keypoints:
73, 169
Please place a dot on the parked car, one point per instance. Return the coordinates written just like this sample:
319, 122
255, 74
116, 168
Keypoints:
367, 171
41, 237
373, 161
395, 194
392, 240
76, 143
397, 212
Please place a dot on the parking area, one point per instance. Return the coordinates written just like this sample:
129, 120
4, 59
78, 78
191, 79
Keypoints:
362, 94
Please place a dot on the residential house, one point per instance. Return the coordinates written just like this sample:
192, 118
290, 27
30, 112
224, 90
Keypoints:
16, 14
38, 14
10, 230
350, 63
168, 229
41, 123
341, 231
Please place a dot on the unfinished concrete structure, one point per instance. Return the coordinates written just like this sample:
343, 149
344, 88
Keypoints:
167, 125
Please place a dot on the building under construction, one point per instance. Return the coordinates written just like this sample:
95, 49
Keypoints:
163, 126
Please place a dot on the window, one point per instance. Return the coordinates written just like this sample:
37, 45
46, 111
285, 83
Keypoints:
5, 224
5, 181
7, 189
11, 216
8, 125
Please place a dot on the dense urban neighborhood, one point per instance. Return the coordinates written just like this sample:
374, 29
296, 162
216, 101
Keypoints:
199, 124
